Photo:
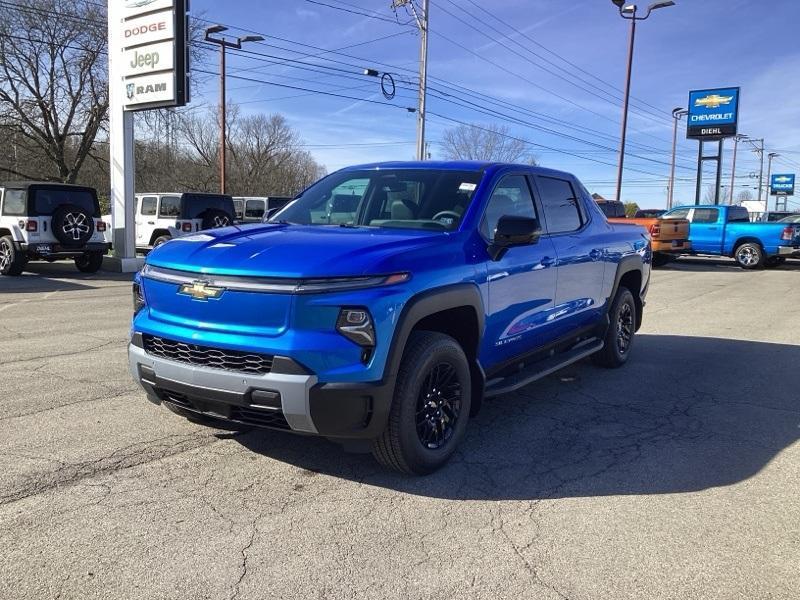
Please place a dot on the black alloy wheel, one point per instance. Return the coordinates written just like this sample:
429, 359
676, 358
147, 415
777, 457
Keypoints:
438, 406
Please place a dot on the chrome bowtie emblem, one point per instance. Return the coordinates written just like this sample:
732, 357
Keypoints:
200, 290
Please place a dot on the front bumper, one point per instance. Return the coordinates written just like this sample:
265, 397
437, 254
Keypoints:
290, 401
667, 247
789, 251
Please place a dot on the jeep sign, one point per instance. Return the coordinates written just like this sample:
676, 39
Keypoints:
148, 59
153, 61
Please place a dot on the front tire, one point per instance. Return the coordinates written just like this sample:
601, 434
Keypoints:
161, 240
89, 262
749, 255
430, 407
11, 261
620, 333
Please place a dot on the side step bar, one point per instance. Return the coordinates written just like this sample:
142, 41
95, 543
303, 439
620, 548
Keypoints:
542, 369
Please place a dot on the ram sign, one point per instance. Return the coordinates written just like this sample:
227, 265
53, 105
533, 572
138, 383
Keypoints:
782, 184
713, 114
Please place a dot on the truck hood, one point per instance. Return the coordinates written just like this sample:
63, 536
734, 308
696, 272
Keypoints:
287, 250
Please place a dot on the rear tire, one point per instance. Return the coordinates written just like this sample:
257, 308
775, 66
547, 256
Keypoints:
620, 333
430, 407
89, 262
11, 261
160, 240
749, 255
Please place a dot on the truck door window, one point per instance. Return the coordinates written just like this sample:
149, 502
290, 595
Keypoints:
738, 214
149, 206
705, 215
560, 205
511, 197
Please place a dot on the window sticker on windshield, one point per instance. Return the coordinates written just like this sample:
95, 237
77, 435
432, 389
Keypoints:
467, 187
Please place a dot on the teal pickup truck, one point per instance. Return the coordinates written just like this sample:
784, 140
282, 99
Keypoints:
727, 231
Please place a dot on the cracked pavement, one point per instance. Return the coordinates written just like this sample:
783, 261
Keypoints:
676, 476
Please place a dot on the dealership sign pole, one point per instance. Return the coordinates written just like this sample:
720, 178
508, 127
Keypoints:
147, 68
713, 116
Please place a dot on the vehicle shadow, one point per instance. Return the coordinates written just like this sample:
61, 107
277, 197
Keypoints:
686, 414
59, 276
718, 265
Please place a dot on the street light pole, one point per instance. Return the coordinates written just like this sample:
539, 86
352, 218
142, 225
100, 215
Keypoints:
736, 139
223, 122
676, 116
770, 156
628, 11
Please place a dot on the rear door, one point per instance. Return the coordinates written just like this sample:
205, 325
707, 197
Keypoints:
146, 219
706, 230
579, 250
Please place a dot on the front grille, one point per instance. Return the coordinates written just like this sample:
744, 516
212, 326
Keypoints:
240, 414
215, 358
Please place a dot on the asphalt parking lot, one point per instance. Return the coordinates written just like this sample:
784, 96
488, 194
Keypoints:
677, 476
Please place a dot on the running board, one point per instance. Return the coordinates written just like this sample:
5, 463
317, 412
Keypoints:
542, 369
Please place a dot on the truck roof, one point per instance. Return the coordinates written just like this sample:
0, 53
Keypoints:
26, 184
454, 165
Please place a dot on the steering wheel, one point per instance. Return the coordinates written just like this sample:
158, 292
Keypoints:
446, 213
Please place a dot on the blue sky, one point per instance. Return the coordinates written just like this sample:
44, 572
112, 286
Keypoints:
521, 74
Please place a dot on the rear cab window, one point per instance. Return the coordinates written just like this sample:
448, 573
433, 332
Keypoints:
738, 214
44, 201
194, 205
170, 207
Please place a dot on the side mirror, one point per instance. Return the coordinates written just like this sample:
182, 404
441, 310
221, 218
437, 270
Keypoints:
511, 231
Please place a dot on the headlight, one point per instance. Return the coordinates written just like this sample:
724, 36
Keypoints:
138, 298
356, 325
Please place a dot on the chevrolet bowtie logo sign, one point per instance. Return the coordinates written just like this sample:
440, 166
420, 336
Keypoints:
782, 179
713, 101
200, 290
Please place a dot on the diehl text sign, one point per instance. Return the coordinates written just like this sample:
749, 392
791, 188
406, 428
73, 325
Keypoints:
713, 114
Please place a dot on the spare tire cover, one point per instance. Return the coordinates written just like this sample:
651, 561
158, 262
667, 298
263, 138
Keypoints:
214, 218
72, 225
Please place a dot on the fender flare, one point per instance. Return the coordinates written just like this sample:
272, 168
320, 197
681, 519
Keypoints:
628, 264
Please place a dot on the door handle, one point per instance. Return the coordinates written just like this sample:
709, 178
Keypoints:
151, 222
595, 254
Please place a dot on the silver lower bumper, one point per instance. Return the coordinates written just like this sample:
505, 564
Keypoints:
294, 389
788, 251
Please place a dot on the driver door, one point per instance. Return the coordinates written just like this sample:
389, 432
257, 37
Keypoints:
522, 284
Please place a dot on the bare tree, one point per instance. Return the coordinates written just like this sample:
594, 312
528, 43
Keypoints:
53, 89
489, 142
744, 196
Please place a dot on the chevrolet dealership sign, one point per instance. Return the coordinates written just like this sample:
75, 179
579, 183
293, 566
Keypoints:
154, 59
782, 184
713, 114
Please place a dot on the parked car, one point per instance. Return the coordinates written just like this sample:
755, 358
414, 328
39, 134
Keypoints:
159, 217
383, 327
50, 221
727, 231
777, 215
649, 213
790, 219
251, 209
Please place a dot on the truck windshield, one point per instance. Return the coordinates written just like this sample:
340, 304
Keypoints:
47, 200
432, 199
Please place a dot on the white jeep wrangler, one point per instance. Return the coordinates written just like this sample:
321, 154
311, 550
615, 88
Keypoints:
159, 217
50, 221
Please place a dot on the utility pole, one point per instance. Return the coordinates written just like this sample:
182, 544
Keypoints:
676, 116
736, 139
770, 156
760, 151
422, 25
223, 44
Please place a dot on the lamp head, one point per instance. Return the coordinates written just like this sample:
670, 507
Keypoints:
251, 38
215, 29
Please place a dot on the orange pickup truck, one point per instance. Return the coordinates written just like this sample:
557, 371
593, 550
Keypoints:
669, 237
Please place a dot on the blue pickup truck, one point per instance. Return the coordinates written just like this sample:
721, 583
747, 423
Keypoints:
717, 230
383, 304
